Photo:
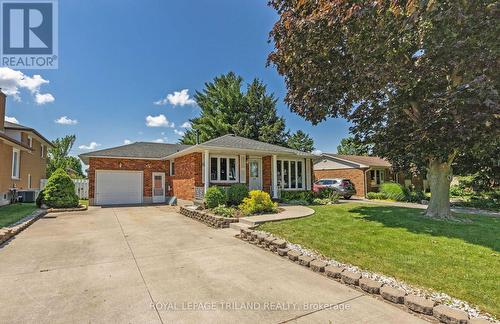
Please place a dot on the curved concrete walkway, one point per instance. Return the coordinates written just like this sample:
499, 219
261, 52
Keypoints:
289, 212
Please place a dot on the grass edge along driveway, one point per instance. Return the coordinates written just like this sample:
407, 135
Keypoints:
459, 258
10, 214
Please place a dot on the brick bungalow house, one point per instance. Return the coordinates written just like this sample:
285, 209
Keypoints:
366, 172
152, 172
23, 157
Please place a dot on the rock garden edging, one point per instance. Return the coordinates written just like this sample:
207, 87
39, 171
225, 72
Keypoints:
207, 218
351, 276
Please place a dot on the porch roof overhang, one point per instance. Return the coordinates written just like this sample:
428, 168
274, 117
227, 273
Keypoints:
200, 148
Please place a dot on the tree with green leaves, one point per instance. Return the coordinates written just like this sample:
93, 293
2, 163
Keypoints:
418, 78
58, 157
226, 109
300, 141
351, 146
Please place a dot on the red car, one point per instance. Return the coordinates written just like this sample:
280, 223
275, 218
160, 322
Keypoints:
344, 187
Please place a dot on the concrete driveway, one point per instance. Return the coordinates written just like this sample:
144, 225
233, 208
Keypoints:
152, 265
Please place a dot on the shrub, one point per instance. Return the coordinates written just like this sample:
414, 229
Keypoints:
224, 211
39, 199
416, 196
393, 191
236, 193
214, 197
298, 202
376, 195
258, 202
60, 191
305, 195
325, 193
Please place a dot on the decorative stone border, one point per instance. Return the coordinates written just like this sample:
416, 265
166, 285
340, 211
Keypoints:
207, 218
6, 233
60, 210
414, 304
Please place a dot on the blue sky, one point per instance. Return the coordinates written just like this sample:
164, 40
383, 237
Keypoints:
116, 58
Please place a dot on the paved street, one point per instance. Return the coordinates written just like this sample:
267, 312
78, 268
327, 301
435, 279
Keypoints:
114, 264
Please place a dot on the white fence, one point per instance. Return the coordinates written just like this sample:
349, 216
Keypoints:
81, 187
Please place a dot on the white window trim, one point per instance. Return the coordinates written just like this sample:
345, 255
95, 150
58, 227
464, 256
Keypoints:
17, 161
30, 141
219, 157
42, 151
303, 172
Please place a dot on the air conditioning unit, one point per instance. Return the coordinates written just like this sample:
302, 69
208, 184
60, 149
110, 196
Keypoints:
27, 196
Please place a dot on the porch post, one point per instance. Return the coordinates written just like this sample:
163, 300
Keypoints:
308, 174
207, 170
274, 174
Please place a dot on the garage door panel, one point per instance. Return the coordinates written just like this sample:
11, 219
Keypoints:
118, 187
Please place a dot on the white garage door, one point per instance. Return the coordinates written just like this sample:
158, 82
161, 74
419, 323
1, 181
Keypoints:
118, 187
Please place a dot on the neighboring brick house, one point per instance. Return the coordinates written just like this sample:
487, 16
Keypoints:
23, 157
152, 172
365, 172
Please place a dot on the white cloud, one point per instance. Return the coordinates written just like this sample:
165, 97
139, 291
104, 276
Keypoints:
43, 98
186, 125
11, 81
178, 132
64, 120
178, 98
11, 119
91, 146
158, 121
127, 141
317, 152
159, 140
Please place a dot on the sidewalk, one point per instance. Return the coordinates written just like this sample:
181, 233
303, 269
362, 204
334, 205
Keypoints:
472, 211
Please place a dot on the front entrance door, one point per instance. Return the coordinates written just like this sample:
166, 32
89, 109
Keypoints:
158, 187
255, 174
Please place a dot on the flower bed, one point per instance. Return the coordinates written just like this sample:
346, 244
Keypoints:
206, 217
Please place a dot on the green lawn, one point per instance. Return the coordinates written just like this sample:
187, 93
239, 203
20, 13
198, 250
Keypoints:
12, 213
461, 259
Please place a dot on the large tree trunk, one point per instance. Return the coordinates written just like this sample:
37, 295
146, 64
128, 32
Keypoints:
439, 176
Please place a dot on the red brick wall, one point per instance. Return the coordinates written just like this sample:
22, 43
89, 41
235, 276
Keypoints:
188, 175
148, 166
355, 175
267, 179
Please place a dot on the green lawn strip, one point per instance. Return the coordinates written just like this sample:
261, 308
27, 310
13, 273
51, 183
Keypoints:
459, 258
12, 213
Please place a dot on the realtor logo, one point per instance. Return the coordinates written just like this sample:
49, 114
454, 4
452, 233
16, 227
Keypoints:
29, 34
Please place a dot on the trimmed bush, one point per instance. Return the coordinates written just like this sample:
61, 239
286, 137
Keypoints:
236, 193
305, 195
376, 195
258, 202
59, 191
393, 191
215, 197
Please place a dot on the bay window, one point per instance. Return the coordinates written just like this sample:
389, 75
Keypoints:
223, 169
290, 174
377, 177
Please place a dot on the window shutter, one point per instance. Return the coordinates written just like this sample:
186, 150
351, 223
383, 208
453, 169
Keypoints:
243, 168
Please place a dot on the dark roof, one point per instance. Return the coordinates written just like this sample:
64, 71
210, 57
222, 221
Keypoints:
137, 150
372, 161
9, 125
233, 141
